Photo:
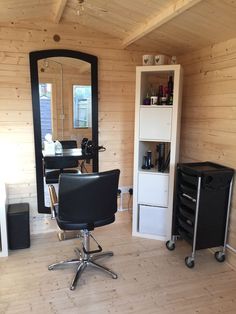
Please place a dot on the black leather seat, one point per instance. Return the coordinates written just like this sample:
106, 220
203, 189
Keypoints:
67, 144
86, 201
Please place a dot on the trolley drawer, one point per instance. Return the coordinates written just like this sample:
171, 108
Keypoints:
188, 190
187, 202
186, 225
186, 178
185, 235
186, 213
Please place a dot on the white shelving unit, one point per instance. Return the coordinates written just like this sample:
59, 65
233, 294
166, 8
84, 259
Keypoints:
153, 191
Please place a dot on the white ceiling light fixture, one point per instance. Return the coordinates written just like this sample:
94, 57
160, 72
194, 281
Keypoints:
80, 7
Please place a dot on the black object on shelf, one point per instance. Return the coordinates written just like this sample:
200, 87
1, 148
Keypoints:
18, 228
163, 162
161, 156
202, 204
147, 160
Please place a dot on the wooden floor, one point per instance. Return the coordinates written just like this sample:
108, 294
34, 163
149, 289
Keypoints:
151, 278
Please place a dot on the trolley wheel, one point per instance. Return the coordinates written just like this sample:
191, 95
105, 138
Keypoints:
220, 256
189, 262
170, 245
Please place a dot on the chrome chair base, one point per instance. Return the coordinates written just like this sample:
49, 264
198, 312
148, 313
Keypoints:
83, 261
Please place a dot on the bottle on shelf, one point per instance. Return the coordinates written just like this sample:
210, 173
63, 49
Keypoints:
147, 100
165, 96
170, 100
147, 160
170, 90
160, 94
154, 97
170, 84
145, 163
161, 156
152, 91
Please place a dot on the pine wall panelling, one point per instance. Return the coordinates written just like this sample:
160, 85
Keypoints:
116, 101
209, 112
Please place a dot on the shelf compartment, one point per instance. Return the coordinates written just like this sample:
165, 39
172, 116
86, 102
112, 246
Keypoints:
153, 189
150, 80
144, 147
152, 220
155, 123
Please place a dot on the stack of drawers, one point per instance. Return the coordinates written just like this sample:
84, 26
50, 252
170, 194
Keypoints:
202, 205
186, 204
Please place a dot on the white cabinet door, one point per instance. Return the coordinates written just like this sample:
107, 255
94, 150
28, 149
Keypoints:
155, 123
152, 220
153, 189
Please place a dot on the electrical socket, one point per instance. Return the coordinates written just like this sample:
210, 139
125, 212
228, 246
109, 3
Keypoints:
125, 189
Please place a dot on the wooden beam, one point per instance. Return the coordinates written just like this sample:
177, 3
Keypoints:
173, 10
59, 11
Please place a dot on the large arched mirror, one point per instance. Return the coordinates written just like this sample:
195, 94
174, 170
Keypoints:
65, 104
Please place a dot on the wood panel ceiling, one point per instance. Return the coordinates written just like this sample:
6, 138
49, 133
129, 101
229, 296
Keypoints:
165, 26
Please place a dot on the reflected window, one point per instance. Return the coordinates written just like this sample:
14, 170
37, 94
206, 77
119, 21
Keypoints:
82, 106
45, 99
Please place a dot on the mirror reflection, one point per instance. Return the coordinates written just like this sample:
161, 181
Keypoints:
82, 106
65, 98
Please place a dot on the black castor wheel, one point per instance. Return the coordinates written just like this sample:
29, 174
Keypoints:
170, 245
220, 256
189, 262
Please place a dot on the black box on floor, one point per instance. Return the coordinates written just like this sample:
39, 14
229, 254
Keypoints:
18, 226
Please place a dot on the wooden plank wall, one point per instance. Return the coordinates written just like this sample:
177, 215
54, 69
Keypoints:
209, 111
116, 101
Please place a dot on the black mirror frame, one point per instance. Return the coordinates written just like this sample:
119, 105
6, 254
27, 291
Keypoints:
34, 57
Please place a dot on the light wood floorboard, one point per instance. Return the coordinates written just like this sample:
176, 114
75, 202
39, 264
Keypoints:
151, 278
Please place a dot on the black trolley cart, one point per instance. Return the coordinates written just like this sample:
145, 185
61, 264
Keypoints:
202, 206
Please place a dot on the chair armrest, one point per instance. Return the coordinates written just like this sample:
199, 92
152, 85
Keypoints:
53, 201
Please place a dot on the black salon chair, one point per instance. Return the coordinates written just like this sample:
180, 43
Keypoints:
53, 167
67, 144
85, 202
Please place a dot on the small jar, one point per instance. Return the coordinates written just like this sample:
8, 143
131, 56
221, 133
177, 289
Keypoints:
58, 148
147, 101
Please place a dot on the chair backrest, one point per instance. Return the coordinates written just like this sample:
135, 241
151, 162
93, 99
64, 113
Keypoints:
67, 144
59, 162
87, 198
